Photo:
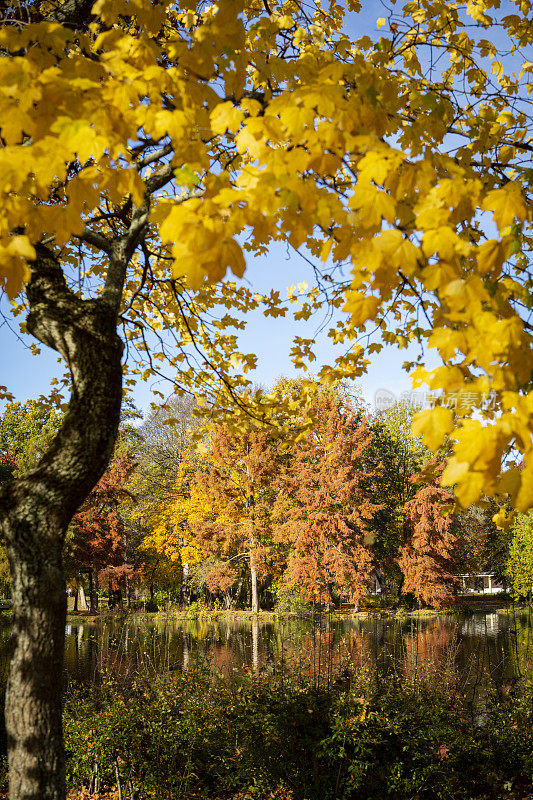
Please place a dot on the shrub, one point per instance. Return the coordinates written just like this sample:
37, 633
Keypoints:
258, 738
289, 600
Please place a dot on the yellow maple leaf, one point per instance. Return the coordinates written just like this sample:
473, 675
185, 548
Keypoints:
433, 425
232, 257
506, 204
491, 255
225, 117
373, 205
362, 307
445, 242
470, 488
524, 498
14, 270
454, 472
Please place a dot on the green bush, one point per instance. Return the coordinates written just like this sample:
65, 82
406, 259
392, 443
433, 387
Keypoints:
289, 601
258, 738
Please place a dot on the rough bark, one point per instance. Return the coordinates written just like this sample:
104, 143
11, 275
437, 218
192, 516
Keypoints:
35, 512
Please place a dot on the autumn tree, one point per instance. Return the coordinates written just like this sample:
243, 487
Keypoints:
231, 502
427, 558
168, 544
158, 573
141, 145
324, 508
96, 545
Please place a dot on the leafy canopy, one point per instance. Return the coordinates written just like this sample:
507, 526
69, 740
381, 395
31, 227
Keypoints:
26, 431
520, 562
205, 130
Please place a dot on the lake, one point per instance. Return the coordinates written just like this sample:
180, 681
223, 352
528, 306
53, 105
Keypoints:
481, 651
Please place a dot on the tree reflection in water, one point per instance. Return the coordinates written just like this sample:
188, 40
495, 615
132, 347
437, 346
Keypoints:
478, 653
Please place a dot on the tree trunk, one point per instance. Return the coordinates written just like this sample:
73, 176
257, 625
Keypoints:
33, 697
185, 587
93, 590
382, 583
255, 594
250, 503
36, 509
80, 596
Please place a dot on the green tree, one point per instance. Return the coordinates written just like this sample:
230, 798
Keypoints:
26, 432
520, 562
481, 545
398, 457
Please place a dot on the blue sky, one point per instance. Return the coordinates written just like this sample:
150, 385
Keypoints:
28, 376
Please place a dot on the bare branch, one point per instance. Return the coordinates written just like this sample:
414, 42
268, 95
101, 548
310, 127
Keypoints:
97, 240
159, 178
156, 155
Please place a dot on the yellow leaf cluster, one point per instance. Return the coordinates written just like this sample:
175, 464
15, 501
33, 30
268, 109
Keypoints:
188, 130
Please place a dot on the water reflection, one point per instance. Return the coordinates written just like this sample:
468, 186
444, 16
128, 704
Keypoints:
480, 652
484, 650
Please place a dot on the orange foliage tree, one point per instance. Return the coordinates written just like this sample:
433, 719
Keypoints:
426, 560
232, 501
324, 507
97, 546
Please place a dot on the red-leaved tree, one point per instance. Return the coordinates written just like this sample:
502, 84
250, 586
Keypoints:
426, 560
97, 547
324, 506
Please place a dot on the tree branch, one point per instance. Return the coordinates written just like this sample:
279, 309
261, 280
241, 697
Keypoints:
156, 155
84, 333
159, 179
95, 239
74, 14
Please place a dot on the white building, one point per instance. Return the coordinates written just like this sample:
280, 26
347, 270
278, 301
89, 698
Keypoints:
479, 583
